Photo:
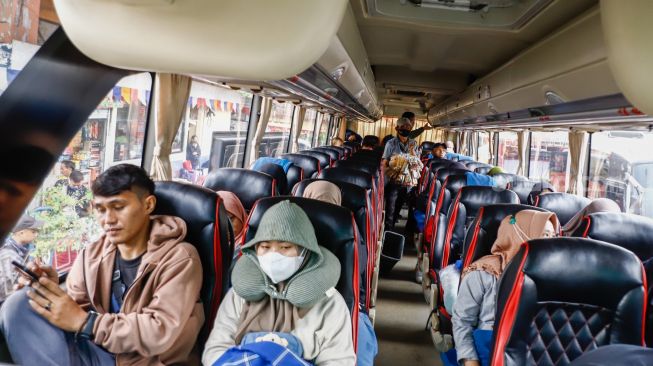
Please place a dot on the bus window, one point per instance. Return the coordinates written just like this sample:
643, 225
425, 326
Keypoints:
550, 158
323, 134
483, 150
63, 201
508, 153
277, 131
213, 131
619, 170
308, 130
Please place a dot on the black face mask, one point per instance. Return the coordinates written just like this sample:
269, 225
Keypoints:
404, 133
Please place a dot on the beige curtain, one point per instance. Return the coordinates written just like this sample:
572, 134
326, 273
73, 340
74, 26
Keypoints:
170, 97
492, 148
261, 125
299, 123
578, 155
522, 144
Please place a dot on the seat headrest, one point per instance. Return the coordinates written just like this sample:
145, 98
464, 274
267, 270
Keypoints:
427, 145
454, 182
503, 179
435, 164
473, 165
353, 196
309, 164
565, 205
482, 233
247, 185
444, 173
523, 188
295, 175
576, 293
358, 165
277, 172
209, 230
335, 230
475, 197
633, 232
344, 152
324, 158
482, 169
348, 175
333, 153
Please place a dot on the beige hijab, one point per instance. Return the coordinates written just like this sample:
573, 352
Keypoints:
513, 231
324, 191
598, 205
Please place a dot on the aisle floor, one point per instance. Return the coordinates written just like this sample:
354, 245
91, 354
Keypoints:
401, 317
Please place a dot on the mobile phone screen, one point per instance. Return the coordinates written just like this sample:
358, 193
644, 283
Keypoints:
25, 271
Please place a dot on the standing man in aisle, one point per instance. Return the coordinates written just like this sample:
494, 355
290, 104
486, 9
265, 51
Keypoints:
416, 132
400, 162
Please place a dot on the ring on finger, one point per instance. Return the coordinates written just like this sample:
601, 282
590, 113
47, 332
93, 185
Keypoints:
48, 306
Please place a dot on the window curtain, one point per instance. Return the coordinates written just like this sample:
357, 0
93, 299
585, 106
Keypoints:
171, 96
578, 155
261, 125
343, 128
299, 123
522, 144
492, 147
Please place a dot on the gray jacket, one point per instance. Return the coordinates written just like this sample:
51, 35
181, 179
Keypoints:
474, 309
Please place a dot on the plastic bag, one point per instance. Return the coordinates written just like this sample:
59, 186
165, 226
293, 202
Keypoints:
450, 279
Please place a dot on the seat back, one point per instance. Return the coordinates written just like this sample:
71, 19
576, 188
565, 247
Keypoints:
565, 205
555, 301
336, 231
450, 187
358, 201
523, 188
482, 233
633, 232
294, 175
344, 153
209, 230
504, 179
333, 153
247, 185
463, 211
277, 172
358, 165
482, 169
309, 164
324, 158
349, 151
427, 146
354, 145
444, 173
473, 165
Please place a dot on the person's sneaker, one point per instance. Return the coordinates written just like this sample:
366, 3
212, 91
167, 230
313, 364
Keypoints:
418, 275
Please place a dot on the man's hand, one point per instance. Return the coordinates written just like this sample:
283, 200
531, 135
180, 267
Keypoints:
52, 303
428, 127
42, 271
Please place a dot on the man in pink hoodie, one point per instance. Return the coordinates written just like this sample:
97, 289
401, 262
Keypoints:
132, 298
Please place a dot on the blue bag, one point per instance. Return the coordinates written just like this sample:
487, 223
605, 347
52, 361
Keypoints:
475, 179
285, 164
483, 344
420, 218
368, 347
260, 354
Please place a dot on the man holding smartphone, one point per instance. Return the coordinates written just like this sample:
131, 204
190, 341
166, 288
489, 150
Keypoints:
16, 248
132, 297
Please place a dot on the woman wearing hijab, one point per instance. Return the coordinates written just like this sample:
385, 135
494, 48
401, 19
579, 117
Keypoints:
237, 215
598, 205
324, 191
283, 294
473, 312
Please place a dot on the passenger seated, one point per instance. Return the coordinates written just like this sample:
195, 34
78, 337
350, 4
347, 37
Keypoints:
598, 205
237, 217
284, 285
101, 319
369, 142
473, 314
324, 191
616, 354
337, 141
494, 171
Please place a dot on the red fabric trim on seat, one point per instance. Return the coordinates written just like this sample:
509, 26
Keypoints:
274, 187
645, 285
438, 207
216, 297
472, 246
589, 225
537, 201
449, 234
507, 319
356, 285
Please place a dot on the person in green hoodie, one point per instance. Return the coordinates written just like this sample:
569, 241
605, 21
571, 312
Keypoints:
284, 291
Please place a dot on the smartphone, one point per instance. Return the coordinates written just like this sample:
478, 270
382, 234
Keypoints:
25, 271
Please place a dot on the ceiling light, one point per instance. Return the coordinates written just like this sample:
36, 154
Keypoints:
338, 72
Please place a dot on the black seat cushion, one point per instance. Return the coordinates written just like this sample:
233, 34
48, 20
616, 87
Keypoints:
247, 185
294, 175
335, 230
357, 200
463, 210
333, 153
482, 169
633, 232
565, 205
555, 301
523, 188
278, 173
482, 233
309, 164
209, 230
324, 158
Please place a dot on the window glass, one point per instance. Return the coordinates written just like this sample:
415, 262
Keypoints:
550, 158
129, 103
308, 129
483, 149
323, 134
277, 132
508, 155
63, 201
213, 132
621, 169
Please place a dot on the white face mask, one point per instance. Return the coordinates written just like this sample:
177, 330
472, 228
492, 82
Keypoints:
278, 267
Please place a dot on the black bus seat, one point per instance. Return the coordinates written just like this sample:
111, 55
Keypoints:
334, 154
473, 165
523, 188
555, 301
482, 169
294, 175
565, 205
324, 158
505, 179
336, 231
355, 146
247, 185
277, 172
358, 201
209, 230
344, 153
309, 164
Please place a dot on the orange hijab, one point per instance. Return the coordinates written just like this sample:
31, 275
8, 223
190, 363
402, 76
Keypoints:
513, 231
233, 205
